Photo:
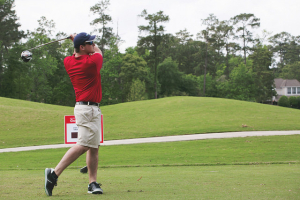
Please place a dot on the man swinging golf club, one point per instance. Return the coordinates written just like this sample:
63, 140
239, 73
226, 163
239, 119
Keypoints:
83, 68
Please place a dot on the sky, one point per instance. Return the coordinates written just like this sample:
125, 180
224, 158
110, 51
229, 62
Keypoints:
74, 16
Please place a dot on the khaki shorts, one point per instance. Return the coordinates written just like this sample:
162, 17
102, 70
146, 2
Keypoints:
88, 120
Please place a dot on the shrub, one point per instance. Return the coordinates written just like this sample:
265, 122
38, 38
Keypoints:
293, 102
298, 102
284, 101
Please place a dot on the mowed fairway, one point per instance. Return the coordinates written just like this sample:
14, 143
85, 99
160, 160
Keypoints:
237, 168
188, 182
27, 123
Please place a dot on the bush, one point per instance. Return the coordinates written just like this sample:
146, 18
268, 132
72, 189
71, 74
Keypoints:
284, 101
293, 102
298, 102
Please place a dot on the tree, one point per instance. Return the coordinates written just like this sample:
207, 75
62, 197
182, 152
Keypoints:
262, 73
263, 38
207, 35
62, 88
241, 83
111, 81
137, 91
103, 20
244, 22
169, 77
44, 64
184, 51
293, 51
223, 35
287, 48
280, 43
184, 36
133, 67
152, 41
210, 84
198, 54
168, 47
189, 85
46, 27
291, 71
42, 67
16, 81
9, 32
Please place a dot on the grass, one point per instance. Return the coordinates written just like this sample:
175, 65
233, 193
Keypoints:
186, 182
236, 168
235, 151
27, 123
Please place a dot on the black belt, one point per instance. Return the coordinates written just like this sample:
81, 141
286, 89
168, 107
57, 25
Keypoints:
87, 103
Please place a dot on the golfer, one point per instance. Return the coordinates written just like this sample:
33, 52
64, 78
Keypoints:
83, 68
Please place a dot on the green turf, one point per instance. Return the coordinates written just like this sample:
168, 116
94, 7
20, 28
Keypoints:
25, 123
186, 182
236, 168
234, 151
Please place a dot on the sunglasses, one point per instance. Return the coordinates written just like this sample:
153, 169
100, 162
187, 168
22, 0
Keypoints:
89, 42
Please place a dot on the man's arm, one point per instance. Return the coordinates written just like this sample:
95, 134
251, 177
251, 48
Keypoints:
72, 36
97, 50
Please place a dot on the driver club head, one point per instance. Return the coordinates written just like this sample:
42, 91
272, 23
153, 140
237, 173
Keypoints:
26, 56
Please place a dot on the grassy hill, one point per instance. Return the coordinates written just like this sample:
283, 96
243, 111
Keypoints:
25, 123
235, 168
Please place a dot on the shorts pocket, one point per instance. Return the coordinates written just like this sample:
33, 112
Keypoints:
83, 114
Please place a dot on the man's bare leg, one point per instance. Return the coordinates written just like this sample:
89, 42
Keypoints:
92, 163
71, 155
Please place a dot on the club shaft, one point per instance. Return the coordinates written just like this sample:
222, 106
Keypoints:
49, 43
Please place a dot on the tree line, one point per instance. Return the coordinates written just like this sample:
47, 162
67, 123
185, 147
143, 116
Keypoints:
224, 60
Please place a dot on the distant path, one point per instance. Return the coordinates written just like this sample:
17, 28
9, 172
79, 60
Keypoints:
162, 139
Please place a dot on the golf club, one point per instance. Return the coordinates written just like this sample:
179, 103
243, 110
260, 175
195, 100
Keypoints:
27, 55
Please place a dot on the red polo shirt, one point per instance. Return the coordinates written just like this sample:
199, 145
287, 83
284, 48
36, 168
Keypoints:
84, 72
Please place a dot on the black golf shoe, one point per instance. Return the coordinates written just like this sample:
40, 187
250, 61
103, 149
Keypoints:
50, 181
84, 170
94, 188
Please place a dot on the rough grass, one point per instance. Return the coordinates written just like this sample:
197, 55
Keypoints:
26, 123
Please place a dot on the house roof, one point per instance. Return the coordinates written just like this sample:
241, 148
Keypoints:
280, 83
